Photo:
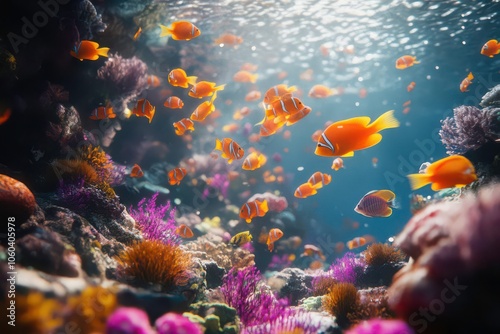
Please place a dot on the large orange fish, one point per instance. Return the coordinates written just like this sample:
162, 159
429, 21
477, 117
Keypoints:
203, 89
102, 113
184, 231
183, 125
491, 48
318, 180
275, 92
342, 138
203, 110
405, 62
178, 78
230, 149
144, 109
274, 235
377, 203
245, 76
173, 102
356, 242
180, 31
452, 171
305, 190
253, 209
176, 175
466, 82
88, 50
253, 161
136, 171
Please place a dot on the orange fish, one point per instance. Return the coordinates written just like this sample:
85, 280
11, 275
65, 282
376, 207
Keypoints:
204, 110
176, 175
284, 107
230, 149
245, 76
356, 242
253, 161
137, 34
253, 209
228, 39
136, 171
307, 75
274, 235
377, 203
183, 125
374, 162
184, 231
337, 164
88, 50
405, 62
491, 48
297, 116
452, 171
180, 31
203, 89
407, 103
305, 190
178, 78
254, 138
269, 127
311, 250
406, 110
173, 102
233, 127
411, 86
466, 82
153, 81
144, 109
254, 95
321, 91
102, 113
275, 92
249, 67
342, 138
5, 115
318, 180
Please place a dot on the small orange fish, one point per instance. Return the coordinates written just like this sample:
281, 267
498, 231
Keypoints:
491, 48
230, 149
102, 113
136, 171
466, 82
253, 209
305, 190
321, 91
180, 31
203, 89
337, 164
137, 34
228, 39
184, 231
275, 92
173, 102
144, 109
356, 242
88, 50
5, 115
176, 175
311, 250
377, 203
278, 170
269, 127
318, 180
231, 128
307, 75
153, 81
284, 107
406, 110
452, 171
183, 125
411, 86
253, 95
178, 78
405, 62
254, 138
253, 161
245, 76
374, 162
249, 67
274, 235
407, 103
297, 116
342, 138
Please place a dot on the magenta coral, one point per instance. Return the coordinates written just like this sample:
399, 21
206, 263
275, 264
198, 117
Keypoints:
347, 268
128, 320
150, 219
379, 326
289, 321
172, 323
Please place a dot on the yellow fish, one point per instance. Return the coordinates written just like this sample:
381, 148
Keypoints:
241, 239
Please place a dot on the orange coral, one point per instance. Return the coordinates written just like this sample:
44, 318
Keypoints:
152, 262
322, 284
72, 170
97, 158
378, 254
341, 300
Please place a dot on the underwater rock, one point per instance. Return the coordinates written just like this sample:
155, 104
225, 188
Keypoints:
49, 285
274, 202
88, 20
291, 283
214, 274
68, 131
217, 318
492, 98
17, 200
311, 303
379, 275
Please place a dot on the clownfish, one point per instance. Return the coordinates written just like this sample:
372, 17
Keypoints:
88, 50
136, 171
377, 203
311, 250
253, 161
356, 242
203, 89
228, 39
183, 125
253, 209
274, 235
406, 61
240, 239
284, 107
411, 86
173, 102
342, 138
153, 81
144, 109
337, 164
178, 78
294, 118
275, 92
176, 175
305, 190
184, 231
230, 149
203, 110
102, 113
269, 127
180, 31
318, 180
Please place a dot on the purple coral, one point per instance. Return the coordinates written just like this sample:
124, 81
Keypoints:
347, 268
149, 218
172, 323
379, 326
128, 320
469, 129
290, 321
219, 183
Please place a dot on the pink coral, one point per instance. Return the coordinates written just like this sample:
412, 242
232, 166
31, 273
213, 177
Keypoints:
378, 326
128, 320
275, 203
172, 323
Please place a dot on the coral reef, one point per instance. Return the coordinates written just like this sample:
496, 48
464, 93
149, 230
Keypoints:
346, 269
322, 283
88, 20
274, 202
172, 323
372, 304
67, 132
341, 300
292, 284
492, 98
378, 326
379, 254
289, 321
17, 200
127, 320
217, 317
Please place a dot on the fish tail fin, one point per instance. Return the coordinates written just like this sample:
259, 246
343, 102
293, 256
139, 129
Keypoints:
103, 52
418, 180
221, 87
214, 96
262, 159
292, 89
470, 76
253, 78
165, 31
218, 144
263, 120
263, 206
386, 121
192, 80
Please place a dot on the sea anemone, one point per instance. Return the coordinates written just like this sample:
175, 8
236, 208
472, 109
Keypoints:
378, 254
347, 268
98, 159
153, 262
341, 300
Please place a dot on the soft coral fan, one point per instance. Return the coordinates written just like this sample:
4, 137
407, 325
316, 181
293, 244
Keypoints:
289, 321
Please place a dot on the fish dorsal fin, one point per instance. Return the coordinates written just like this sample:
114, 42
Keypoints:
434, 167
362, 120
387, 195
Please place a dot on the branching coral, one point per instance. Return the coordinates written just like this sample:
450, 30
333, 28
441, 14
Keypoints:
153, 262
347, 268
469, 129
378, 254
341, 300
149, 218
